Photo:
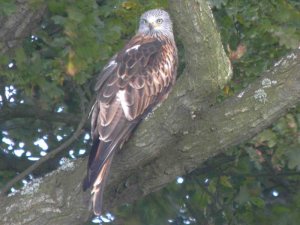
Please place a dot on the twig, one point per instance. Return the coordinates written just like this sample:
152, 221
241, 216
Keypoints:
27, 111
60, 148
292, 173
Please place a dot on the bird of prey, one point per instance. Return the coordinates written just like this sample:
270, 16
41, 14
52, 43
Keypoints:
132, 83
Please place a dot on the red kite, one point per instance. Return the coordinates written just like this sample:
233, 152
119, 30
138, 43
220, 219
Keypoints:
133, 82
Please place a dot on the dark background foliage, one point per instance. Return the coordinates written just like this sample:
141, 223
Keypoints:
54, 70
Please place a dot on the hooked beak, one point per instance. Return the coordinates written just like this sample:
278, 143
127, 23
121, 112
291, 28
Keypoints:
152, 26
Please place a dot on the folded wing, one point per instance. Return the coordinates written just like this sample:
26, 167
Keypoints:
132, 83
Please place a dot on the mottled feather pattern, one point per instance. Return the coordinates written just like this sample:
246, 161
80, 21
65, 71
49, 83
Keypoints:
133, 82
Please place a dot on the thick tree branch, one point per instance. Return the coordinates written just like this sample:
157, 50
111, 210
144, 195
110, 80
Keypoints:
54, 152
18, 25
178, 137
178, 140
186, 142
208, 67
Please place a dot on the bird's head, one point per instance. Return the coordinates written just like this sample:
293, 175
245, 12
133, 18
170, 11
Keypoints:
155, 22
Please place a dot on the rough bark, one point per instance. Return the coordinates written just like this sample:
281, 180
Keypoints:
17, 26
144, 165
177, 139
179, 136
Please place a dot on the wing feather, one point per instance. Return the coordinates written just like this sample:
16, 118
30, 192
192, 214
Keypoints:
132, 83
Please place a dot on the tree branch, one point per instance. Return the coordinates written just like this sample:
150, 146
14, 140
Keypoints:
10, 162
179, 136
54, 152
189, 138
26, 111
181, 148
19, 24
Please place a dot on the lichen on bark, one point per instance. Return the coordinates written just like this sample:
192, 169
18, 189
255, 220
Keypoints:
180, 135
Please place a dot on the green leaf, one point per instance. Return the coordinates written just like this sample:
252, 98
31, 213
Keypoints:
218, 3
260, 203
292, 123
254, 156
7, 7
57, 7
20, 56
294, 158
243, 195
282, 126
60, 20
287, 36
266, 137
3, 59
212, 186
225, 181
280, 209
75, 14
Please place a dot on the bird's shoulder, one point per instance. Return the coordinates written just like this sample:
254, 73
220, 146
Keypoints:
138, 56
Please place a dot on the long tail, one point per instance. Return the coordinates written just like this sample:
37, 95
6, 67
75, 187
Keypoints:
99, 185
99, 163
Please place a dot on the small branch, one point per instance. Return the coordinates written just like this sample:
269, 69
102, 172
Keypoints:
28, 111
179, 137
54, 152
260, 174
9, 162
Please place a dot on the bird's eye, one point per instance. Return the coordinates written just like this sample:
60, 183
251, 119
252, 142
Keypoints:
159, 21
143, 21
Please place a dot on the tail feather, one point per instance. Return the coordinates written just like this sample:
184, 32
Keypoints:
99, 185
95, 162
99, 164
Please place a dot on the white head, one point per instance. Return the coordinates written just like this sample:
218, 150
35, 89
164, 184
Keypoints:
156, 22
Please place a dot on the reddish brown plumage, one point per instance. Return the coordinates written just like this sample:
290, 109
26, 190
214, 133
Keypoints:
133, 82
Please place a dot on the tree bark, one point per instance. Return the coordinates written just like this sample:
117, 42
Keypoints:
179, 136
19, 25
